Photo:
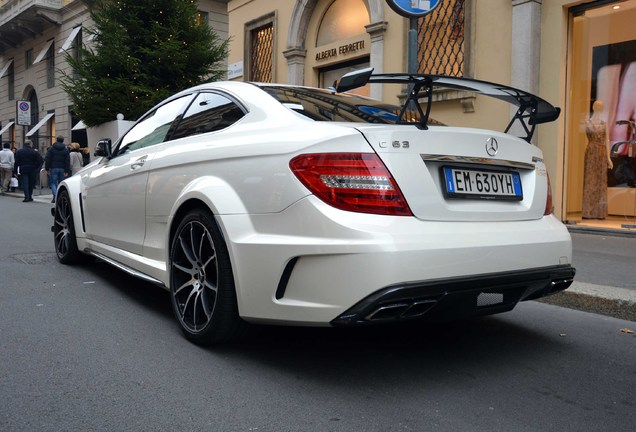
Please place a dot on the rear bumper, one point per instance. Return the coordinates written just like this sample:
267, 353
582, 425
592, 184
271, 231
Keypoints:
312, 263
456, 298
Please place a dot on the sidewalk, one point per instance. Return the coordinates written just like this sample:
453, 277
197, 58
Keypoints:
605, 300
39, 194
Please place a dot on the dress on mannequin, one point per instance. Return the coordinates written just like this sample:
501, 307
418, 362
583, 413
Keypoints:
595, 171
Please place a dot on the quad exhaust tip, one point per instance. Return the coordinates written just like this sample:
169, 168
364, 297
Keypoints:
402, 310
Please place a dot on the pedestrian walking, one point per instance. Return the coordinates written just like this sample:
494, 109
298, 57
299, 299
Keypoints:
7, 160
57, 164
77, 161
27, 165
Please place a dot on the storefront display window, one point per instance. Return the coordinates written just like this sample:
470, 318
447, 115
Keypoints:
601, 141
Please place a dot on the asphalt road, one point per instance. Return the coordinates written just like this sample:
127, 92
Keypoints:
88, 348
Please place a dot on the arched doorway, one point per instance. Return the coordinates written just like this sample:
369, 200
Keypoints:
296, 40
31, 96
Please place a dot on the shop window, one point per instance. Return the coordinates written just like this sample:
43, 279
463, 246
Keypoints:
441, 40
202, 17
28, 58
342, 20
50, 68
77, 46
601, 141
11, 81
77, 50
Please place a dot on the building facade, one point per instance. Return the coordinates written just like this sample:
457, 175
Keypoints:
557, 49
35, 35
570, 52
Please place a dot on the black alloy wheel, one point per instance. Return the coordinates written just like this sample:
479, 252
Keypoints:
64, 231
201, 282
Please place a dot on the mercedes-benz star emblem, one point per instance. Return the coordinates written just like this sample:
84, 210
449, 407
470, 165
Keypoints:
492, 146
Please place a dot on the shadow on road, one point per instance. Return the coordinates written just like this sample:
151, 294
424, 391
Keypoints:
337, 355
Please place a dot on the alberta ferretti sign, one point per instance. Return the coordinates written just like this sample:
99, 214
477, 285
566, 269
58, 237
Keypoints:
341, 50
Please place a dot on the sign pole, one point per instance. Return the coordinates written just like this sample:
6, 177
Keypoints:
413, 9
412, 53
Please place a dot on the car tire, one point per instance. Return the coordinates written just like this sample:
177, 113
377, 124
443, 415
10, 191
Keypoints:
202, 288
64, 231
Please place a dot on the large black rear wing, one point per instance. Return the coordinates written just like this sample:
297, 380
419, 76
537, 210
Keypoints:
532, 110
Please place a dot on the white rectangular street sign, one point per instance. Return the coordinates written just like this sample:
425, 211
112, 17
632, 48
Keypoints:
23, 113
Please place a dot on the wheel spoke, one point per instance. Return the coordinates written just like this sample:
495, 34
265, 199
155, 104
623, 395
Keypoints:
212, 287
185, 305
203, 236
182, 287
185, 270
187, 251
205, 307
212, 258
61, 241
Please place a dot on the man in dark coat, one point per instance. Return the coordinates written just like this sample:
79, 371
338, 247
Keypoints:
27, 164
57, 164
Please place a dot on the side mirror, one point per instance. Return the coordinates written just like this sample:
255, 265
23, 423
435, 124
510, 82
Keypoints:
104, 148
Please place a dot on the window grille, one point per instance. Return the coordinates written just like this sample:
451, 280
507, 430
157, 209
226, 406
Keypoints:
261, 50
440, 36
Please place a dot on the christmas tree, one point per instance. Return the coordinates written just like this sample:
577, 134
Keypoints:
142, 52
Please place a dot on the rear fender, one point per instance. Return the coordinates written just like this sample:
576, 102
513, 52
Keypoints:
212, 192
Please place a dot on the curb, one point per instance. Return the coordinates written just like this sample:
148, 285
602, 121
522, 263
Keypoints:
45, 198
601, 231
604, 300
606, 292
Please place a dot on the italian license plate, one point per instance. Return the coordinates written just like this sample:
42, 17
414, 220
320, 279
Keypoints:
482, 184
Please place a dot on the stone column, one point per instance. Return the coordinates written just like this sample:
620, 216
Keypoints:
526, 45
295, 65
376, 31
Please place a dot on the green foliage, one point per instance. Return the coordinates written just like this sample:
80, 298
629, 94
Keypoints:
143, 51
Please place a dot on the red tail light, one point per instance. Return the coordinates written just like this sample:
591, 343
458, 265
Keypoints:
357, 182
548, 201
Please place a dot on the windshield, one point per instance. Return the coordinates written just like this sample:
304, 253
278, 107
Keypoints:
325, 105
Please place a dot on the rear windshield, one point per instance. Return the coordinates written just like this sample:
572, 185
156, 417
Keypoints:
324, 105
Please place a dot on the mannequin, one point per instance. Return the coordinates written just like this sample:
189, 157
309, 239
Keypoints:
597, 162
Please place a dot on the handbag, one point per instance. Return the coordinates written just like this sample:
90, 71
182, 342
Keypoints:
13, 182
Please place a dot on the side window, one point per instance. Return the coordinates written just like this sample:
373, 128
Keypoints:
154, 127
209, 112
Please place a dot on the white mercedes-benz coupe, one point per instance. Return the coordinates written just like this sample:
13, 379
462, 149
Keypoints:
265, 203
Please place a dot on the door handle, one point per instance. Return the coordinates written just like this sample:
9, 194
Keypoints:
138, 163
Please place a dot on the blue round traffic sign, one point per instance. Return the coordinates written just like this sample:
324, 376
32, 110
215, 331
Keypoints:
413, 8
24, 106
